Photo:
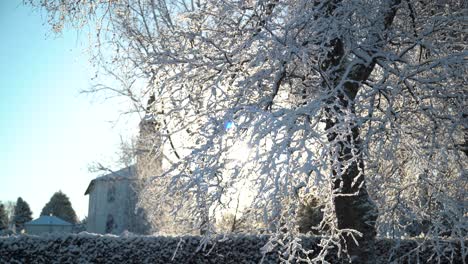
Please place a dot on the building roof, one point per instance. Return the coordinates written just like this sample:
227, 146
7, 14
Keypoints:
128, 173
48, 220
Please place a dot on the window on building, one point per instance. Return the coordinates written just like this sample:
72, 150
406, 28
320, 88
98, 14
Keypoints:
111, 193
110, 223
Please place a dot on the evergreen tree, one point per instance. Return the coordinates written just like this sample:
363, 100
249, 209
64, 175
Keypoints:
22, 215
310, 215
60, 206
3, 217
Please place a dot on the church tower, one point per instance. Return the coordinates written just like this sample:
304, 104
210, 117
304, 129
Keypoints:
149, 145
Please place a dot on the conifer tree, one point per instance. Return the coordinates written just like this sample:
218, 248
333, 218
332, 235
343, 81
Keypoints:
22, 214
60, 206
3, 217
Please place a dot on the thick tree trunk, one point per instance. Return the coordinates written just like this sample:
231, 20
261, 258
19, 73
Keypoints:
353, 207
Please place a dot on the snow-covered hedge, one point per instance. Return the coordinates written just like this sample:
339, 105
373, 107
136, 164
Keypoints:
92, 248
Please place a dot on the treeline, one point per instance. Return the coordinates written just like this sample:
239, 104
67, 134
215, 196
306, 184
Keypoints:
13, 215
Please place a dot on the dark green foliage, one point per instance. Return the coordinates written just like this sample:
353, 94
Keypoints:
22, 214
230, 223
310, 215
81, 225
141, 224
3, 217
60, 206
238, 223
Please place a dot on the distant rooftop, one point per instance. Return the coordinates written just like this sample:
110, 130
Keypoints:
48, 220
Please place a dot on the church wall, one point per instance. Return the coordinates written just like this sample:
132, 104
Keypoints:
111, 206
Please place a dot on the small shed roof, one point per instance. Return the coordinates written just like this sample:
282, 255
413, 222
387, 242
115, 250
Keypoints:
125, 173
48, 220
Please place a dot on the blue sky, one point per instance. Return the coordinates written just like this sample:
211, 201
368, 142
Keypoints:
49, 132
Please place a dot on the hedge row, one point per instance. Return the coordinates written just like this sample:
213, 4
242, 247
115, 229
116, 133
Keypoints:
92, 248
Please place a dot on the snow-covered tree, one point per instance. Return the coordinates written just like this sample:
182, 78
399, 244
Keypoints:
362, 102
60, 206
10, 211
22, 214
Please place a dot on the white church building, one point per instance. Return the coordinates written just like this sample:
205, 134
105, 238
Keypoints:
113, 197
112, 204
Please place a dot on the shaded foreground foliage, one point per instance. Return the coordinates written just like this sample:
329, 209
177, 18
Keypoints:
92, 248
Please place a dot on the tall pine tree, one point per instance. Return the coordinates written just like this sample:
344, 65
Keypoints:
60, 206
3, 217
23, 214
